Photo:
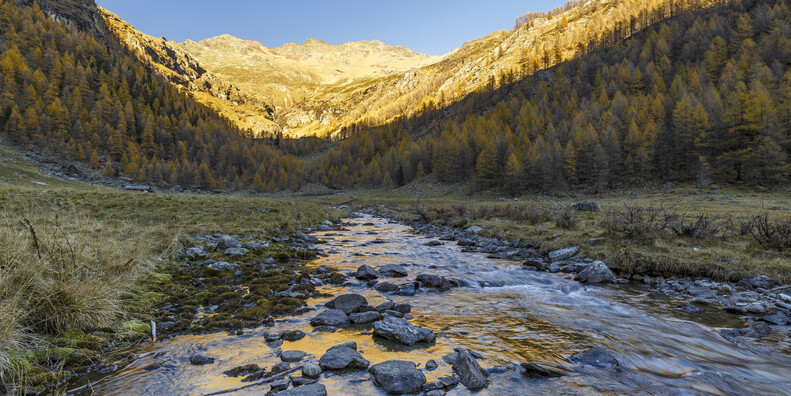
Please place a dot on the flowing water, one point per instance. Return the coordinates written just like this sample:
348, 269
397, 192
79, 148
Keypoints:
505, 313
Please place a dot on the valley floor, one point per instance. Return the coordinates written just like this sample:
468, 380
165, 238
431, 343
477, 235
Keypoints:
84, 267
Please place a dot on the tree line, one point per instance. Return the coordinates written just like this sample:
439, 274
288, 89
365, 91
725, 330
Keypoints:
700, 96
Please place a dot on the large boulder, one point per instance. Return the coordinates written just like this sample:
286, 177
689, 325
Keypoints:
434, 281
347, 303
398, 376
305, 390
597, 357
470, 372
366, 273
393, 271
330, 317
596, 273
563, 254
400, 330
227, 242
342, 358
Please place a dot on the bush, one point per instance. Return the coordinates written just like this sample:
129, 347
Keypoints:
769, 233
634, 222
567, 220
700, 228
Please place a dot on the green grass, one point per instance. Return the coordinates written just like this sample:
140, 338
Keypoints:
95, 265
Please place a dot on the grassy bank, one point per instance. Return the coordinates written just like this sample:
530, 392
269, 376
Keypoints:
713, 232
78, 263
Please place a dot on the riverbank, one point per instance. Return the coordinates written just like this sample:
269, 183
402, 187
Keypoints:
83, 267
420, 308
723, 234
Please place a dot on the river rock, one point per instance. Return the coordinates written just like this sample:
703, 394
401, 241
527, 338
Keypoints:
587, 206
347, 344
365, 317
281, 367
301, 236
701, 291
342, 358
385, 306
402, 331
330, 317
777, 318
366, 273
279, 385
534, 370
386, 287
563, 254
195, 252
596, 273
231, 252
398, 376
292, 335
404, 308
347, 303
227, 242
474, 230
292, 356
393, 271
431, 365
305, 390
221, 266
255, 246
407, 289
434, 243
469, 371
756, 282
200, 360
597, 357
311, 370
434, 281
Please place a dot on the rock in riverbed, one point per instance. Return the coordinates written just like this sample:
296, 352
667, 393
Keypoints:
393, 271
347, 303
533, 370
343, 357
366, 273
292, 356
200, 360
330, 317
469, 371
365, 317
596, 273
305, 390
597, 357
311, 370
398, 376
402, 331
434, 281
563, 254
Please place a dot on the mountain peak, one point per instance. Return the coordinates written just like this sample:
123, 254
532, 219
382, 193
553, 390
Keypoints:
312, 41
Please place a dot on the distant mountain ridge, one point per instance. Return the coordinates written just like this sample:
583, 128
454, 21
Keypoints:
328, 90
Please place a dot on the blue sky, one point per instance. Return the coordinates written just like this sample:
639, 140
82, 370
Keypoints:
428, 26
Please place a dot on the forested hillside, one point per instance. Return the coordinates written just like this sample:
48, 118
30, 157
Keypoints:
698, 96
68, 94
703, 96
